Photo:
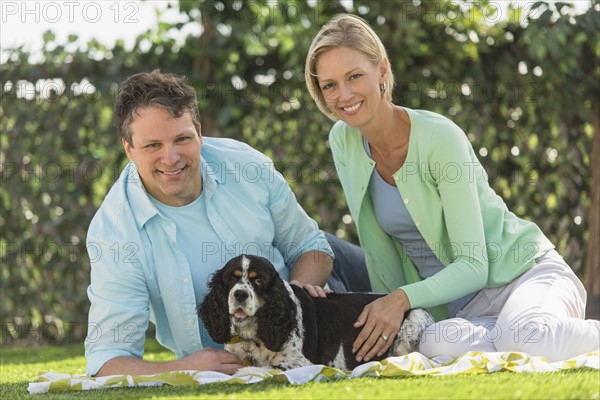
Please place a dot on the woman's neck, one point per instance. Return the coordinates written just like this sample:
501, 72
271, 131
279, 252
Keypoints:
389, 131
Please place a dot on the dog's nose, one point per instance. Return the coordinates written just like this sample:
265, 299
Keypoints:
240, 295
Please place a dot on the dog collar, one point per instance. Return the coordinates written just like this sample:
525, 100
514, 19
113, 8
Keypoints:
235, 339
249, 361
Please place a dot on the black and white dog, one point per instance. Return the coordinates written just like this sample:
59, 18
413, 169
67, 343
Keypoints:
269, 323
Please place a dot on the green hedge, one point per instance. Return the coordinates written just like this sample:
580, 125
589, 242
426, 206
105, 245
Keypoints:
521, 88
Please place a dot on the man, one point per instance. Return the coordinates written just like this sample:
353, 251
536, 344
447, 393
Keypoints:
181, 208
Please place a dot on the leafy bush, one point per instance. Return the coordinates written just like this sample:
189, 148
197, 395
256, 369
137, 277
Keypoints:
522, 88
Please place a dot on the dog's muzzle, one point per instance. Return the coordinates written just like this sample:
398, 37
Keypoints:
238, 304
240, 295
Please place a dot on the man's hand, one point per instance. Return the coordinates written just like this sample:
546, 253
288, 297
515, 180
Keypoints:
210, 359
207, 359
380, 320
313, 290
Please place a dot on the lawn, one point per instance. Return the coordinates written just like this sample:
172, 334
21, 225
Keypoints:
21, 365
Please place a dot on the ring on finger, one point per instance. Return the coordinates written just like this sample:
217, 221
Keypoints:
384, 337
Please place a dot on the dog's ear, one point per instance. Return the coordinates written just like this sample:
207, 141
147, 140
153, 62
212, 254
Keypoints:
214, 310
277, 318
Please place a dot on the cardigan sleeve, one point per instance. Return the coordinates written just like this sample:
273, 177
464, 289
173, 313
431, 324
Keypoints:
453, 169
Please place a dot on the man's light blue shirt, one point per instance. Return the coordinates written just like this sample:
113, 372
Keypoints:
140, 274
200, 245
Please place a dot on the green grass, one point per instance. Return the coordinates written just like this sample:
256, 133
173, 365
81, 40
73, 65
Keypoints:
19, 366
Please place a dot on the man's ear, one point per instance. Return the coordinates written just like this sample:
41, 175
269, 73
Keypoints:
199, 132
128, 148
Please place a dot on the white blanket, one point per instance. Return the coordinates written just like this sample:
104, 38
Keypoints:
411, 364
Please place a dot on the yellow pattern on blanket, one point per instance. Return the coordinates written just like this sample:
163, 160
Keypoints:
409, 365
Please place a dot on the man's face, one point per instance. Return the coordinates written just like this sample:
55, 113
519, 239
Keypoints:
166, 152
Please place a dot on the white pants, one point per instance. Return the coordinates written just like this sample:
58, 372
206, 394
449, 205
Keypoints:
540, 313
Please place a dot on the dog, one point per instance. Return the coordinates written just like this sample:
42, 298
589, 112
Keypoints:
270, 323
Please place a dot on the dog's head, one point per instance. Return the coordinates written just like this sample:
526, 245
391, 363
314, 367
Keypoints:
247, 297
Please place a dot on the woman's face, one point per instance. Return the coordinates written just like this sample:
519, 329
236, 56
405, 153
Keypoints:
350, 84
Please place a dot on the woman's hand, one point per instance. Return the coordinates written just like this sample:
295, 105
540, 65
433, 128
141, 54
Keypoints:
313, 290
381, 321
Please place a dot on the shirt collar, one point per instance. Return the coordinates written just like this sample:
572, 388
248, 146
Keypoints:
139, 203
210, 177
141, 206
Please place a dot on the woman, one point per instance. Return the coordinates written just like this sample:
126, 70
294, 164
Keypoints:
433, 230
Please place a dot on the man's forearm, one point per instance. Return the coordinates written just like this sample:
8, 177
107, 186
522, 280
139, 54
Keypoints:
313, 267
208, 359
135, 366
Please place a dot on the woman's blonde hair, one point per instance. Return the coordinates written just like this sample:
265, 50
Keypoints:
344, 30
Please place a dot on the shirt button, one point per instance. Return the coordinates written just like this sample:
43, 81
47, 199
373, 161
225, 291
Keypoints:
417, 223
406, 201
191, 321
185, 280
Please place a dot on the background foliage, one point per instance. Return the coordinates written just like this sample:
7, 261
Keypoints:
522, 85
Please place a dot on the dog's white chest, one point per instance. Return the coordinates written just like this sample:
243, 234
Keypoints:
252, 353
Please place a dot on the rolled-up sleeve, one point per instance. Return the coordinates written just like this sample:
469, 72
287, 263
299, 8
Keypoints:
119, 311
295, 232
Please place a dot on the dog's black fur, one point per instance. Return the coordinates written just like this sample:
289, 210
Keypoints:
263, 319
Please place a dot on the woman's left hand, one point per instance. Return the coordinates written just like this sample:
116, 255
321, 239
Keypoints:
381, 321
313, 290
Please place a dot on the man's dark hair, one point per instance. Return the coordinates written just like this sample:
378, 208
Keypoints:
154, 89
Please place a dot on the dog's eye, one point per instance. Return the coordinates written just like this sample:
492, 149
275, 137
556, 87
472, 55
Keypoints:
258, 281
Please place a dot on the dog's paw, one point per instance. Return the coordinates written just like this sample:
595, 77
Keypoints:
413, 326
